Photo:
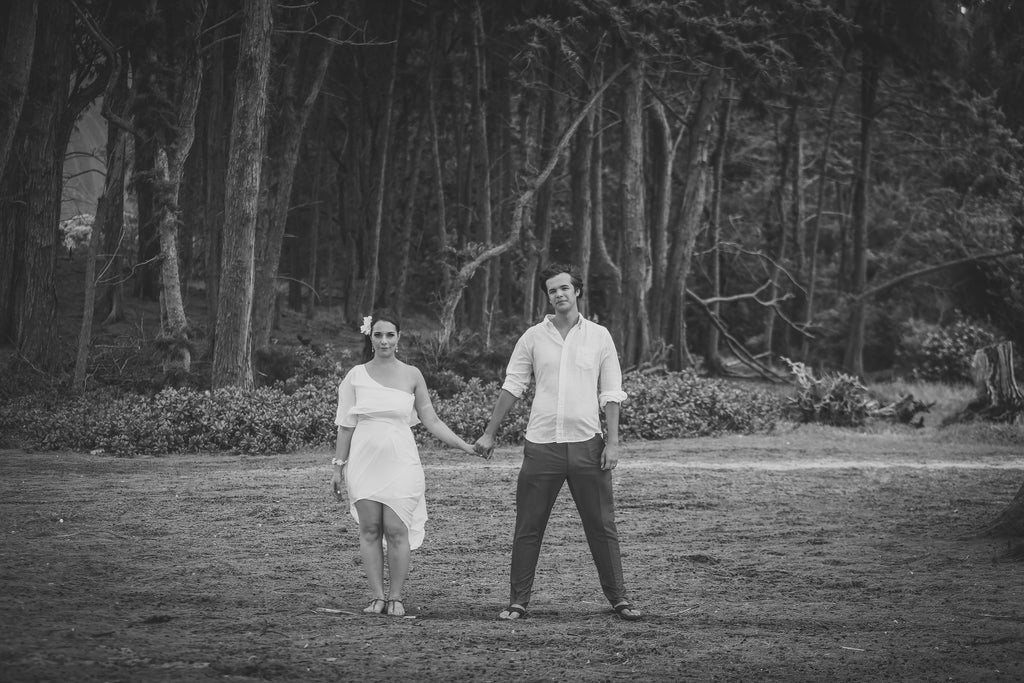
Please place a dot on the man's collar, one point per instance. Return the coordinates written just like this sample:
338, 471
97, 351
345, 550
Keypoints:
549, 319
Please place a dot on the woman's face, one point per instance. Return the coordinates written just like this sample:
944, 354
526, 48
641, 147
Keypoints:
384, 337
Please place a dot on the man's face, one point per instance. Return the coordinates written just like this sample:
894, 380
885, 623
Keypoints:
561, 293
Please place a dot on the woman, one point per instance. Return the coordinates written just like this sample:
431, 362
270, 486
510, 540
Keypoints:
378, 403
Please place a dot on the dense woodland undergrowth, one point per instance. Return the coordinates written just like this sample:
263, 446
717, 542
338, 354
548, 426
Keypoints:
772, 186
130, 408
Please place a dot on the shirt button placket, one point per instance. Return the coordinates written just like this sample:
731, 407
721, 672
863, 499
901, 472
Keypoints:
563, 370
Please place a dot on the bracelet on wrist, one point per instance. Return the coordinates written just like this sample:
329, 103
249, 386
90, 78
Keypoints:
338, 463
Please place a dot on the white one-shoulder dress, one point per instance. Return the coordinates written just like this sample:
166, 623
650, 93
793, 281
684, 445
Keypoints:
383, 464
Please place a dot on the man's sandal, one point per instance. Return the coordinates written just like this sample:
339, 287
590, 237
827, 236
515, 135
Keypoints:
373, 608
627, 612
512, 613
396, 608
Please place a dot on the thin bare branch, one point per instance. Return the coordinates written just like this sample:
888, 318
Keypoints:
734, 344
878, 289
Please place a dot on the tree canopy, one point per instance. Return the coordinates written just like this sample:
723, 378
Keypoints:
789, 178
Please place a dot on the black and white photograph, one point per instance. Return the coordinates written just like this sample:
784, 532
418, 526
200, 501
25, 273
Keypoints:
491, 340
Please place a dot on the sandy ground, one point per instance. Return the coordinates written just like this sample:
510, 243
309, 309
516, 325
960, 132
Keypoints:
807, 555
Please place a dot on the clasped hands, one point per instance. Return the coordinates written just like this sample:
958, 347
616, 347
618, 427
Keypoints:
484, 447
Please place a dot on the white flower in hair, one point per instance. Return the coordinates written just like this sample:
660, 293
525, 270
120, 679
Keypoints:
365, 327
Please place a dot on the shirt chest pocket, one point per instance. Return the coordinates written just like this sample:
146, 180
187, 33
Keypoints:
586, 359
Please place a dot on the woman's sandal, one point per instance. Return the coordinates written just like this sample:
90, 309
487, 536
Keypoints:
627, 612
373, 609
512, 613
394, 611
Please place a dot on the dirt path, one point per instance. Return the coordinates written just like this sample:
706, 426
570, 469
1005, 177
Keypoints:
808, 555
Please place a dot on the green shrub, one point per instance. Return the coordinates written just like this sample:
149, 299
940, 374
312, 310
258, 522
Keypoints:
834, 399
266, 420
681, 404
941, 354
469, 410
283, 418
445, 383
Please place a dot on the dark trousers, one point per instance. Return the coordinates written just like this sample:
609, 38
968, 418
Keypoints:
545, 468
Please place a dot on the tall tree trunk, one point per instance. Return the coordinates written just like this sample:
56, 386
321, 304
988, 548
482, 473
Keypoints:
435, 146
409, 213
605, 263
664, 156
537, 248
815, 229
15, 68
712, 357
214, 120
232, 357
797, 215
870, 76
177, 360
175, 135
776, 227
317, 209
580, 163
511, 161
480, 98
637, 252
112, 228
112, 199
691, 210
298, 88
30, 195
147, 274
373, 267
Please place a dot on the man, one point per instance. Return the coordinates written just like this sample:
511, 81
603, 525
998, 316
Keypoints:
576, 369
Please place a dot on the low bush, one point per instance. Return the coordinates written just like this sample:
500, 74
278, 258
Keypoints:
681, 404
941, 354
265, 420
284, 418
468, 412
835, 399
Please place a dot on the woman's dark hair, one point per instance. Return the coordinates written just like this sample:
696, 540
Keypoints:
553, 269
386, 315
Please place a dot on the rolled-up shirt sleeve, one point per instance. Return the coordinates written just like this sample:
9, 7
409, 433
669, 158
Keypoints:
610, 379
520, 368
346, 401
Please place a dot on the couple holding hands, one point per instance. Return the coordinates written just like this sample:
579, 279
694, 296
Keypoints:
576, 370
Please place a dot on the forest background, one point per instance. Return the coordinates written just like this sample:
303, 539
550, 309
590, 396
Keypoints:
830, 182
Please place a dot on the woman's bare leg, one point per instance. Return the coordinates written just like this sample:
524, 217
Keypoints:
399, 556
371, 547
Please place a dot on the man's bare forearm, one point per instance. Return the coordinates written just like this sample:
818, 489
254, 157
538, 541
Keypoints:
611, 418
501, 408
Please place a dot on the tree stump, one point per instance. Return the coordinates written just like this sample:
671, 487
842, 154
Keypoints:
999, 398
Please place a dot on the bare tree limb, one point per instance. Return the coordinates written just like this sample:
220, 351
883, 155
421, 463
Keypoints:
468, 270
734, 344
116, 67
889, 284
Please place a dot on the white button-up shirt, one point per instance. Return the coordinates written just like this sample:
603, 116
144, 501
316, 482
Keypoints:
573, 377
